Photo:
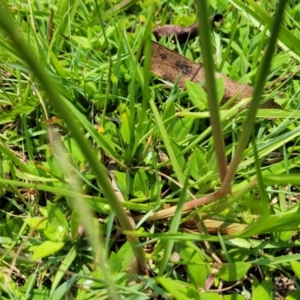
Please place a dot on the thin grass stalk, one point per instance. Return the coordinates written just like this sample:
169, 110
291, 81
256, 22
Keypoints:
173, 158
6, 151
24, 52
108, 85
117, 8
258, 91
228, 48
144, 79
147, 68
90, 227
168, 245
213, 105
50, 189
265, 211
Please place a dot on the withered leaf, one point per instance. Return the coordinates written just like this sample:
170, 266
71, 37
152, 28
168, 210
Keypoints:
172, 66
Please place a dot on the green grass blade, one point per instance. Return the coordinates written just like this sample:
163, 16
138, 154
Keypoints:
25, 53
264, 71
174, 226
259, 16
213, 105
65, 265
167, 143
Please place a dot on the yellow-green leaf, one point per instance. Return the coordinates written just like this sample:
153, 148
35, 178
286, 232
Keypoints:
45, 249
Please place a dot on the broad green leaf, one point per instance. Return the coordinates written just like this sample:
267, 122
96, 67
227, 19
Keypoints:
182, 128
263, 291
114, 263
238, 254
55, 233
126, 256
109, 127
234, 70
198, 165
184, 20
98, 206
192, 293
57, 227
88, 283
197, 95
75, 151
210, 296
196, 267
7, 117
233, 271
38, 223
6, 240
35, 294
90, 88
5, 165
296, 268
43, 210
140, 183
45, 249
55, 216
293, 296
175, 287
284, 237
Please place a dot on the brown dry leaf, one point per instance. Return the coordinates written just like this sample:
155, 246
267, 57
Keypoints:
170, 66
183, 34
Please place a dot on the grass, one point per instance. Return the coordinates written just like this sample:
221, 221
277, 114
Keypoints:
113, 183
